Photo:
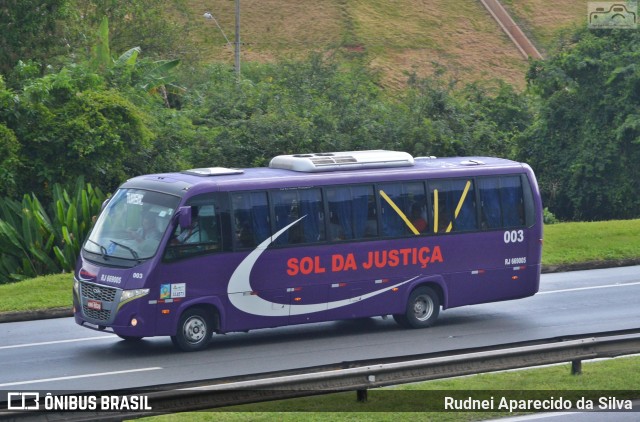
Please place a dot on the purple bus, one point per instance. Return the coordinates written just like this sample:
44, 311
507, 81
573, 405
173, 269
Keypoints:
313, 237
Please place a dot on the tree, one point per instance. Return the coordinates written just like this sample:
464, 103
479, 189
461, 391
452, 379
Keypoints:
9, 161
142, 23
283, 108
436, 117
585, 141
9, 146
101, 133
30, 29
70, 124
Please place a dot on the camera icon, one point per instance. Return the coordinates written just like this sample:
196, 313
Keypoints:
612, 15
23, 401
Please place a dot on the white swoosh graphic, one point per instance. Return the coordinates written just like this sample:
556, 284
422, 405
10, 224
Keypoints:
240, 283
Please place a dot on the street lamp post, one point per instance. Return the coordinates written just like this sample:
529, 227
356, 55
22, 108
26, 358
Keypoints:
237, 44
209, 15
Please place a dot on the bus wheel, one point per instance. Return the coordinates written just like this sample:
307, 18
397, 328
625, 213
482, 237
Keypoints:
194, 330
422, 311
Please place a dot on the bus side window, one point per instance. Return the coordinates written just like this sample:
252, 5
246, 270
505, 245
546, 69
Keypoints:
251, 214
349, 212
311, 208
512, 201
203, 236
501, 202
454, 206
304, 205
490, 210
403, 208
286, 211
207, 224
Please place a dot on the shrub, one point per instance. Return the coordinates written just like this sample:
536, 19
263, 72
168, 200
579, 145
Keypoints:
549, 217
35, 242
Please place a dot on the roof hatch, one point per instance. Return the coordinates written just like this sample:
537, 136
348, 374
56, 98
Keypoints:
349, 160
213, 171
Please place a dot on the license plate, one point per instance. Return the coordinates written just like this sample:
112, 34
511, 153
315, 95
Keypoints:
96, 305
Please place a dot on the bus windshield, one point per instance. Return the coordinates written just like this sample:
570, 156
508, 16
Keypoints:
132, 225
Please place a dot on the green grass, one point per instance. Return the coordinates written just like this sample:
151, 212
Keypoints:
569, 243
605, 378
564, 243
52, 291
543, 20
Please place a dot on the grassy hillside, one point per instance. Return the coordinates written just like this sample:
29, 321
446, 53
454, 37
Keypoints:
542, 19
395, 37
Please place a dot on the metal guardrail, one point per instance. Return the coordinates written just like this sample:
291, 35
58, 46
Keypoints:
353, 376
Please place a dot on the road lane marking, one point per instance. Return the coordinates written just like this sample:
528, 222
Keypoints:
590, 288
72, 377
45, 343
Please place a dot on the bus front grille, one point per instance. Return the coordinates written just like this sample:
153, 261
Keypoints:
105, 294
102, 315
98, 302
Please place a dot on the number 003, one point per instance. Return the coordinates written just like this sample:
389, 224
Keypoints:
514, 236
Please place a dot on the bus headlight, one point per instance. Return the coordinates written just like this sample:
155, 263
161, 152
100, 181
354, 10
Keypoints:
129, 295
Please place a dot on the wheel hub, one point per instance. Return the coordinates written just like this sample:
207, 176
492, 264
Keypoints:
194, 330
422, 309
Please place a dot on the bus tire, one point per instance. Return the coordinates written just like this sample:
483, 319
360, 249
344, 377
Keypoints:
423, 307
194, 330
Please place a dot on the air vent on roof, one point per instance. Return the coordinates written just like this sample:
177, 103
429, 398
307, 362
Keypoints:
349, 160
213, 171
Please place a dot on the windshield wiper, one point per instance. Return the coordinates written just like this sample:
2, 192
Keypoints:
103, 250
133, 252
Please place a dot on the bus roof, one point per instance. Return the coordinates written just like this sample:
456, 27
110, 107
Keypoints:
225, 179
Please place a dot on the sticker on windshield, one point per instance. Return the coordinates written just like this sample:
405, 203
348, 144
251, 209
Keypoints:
111, 249
134, 198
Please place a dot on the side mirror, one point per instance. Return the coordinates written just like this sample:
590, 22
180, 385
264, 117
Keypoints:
104, 203
184, 217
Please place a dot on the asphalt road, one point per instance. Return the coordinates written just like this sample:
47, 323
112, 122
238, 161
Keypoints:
56, 354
